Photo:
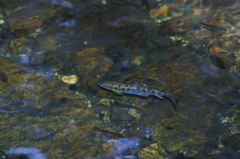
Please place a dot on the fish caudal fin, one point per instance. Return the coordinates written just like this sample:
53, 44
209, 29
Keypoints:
173, 100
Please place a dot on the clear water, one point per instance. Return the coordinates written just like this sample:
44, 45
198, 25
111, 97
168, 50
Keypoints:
189, 49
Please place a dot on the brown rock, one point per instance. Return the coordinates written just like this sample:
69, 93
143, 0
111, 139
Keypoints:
217, 51
30, 16
133, 112
229, 43
225, 57
23, 45
150, 152
162, 11
179, 24
17, 44
91, 63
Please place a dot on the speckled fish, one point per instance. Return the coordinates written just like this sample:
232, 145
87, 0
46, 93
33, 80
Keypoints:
141, 90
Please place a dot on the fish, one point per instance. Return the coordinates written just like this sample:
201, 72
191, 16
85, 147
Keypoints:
214, 28
136, 89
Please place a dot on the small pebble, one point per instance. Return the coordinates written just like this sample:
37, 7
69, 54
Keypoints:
72, 79
133, 112
106, 102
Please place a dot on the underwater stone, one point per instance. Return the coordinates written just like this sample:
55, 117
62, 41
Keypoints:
72, 79
120, 114
91, 63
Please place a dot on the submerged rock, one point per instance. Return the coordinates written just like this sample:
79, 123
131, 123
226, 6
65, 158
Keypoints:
21, 16
72, 79
150, 152
91, 62
120, 114
38, 133
224, 59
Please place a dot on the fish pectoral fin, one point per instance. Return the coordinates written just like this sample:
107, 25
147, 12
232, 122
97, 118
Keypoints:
118, 92
159, 96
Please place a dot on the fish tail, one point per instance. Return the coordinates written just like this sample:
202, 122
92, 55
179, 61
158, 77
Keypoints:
173, 100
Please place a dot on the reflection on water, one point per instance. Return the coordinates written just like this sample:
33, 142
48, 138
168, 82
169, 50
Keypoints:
53, 53
30, 152
123, 145
69, 23
63, 3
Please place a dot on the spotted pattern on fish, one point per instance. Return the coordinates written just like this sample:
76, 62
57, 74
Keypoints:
141, 90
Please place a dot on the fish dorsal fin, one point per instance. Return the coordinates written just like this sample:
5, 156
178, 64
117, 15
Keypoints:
132, 82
